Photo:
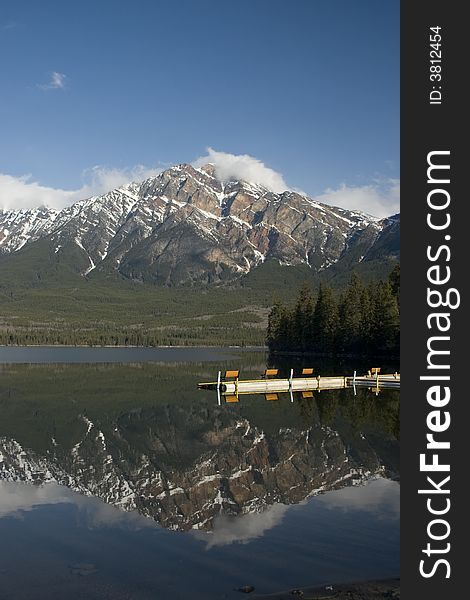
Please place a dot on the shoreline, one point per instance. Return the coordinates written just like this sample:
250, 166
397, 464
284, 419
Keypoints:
260, 348
374, 589
280, 353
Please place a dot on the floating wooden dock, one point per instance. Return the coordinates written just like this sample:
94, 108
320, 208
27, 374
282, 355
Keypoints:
231, 385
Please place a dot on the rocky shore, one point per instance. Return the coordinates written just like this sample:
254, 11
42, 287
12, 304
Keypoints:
364, 590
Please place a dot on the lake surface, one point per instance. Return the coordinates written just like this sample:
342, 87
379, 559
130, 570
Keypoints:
66, 354
122, 480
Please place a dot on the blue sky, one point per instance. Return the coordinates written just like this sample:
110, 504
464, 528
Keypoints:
94, 91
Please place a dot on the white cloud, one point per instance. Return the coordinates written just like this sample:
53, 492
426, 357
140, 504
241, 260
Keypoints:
56, 82
381, 198
380, 496
100, 180
18, 498
243, 528
242, 166
98, 514
8, 26
24, 192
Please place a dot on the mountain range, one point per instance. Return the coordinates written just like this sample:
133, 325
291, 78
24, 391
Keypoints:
185, 467
185, 226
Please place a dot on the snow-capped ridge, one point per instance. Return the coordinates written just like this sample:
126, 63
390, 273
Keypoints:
186, 214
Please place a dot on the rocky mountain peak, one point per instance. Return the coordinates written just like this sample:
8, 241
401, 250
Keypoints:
208, 168
230, 467
184, 225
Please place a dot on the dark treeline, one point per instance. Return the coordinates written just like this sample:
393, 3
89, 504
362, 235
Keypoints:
362, 321
115, 336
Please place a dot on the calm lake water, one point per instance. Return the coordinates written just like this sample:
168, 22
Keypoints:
63, 354
119, 479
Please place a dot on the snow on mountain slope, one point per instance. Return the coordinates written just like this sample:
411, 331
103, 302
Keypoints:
240, 475
184, 224
18, 227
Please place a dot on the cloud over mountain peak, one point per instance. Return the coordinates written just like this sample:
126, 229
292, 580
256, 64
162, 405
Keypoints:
243, 167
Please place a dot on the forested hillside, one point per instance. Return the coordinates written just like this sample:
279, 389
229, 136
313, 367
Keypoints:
362, 320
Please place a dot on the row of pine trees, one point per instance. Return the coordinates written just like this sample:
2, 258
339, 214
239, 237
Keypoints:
362, 321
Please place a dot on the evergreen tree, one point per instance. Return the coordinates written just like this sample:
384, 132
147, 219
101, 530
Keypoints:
385, 320
364, 322
303, 320
365, 307
324, 321
394, 281
274, 321
279, 334
351, 317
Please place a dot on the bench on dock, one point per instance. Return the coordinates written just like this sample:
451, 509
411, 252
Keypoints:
231, 375
229, 384
231, 398
270, 373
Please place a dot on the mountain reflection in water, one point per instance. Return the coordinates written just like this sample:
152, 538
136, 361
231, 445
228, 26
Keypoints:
134, 447
55, 543
132, 437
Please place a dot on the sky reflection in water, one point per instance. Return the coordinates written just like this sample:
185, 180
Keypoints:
141, 437
48, 533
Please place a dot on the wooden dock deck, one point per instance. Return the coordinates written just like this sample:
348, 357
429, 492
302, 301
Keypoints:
234, 386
